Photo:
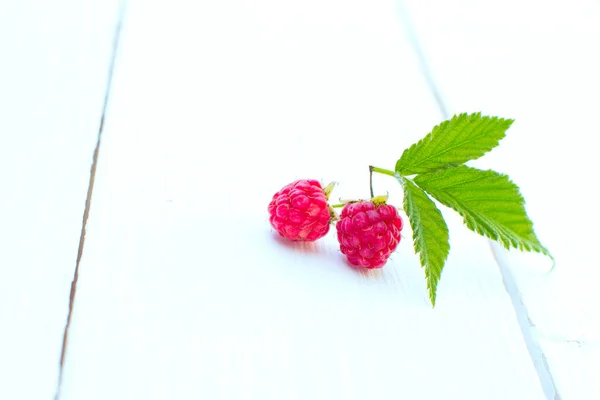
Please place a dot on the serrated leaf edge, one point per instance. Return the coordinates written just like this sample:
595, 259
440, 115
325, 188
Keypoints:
440, 127
523, 245
414, 221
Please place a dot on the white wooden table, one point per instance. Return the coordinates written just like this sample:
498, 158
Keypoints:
184, 291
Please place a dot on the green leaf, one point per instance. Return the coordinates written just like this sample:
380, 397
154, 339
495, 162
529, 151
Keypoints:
489, 202
430, 234
464, 137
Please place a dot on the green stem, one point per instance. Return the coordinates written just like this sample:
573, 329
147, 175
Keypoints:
338, 205
382, 171
371, 180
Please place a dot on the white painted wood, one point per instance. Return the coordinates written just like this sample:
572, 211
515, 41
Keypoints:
537, 62
52, 79
186, 292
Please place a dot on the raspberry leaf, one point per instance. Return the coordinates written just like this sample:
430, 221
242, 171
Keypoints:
453, 142
489, 202
430, 234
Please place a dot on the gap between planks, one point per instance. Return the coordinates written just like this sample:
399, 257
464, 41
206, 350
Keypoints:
88, 200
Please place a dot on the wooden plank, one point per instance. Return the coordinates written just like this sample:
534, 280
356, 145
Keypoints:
52, 80
536, 62
186, 292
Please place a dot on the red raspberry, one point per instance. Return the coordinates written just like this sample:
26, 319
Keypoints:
300, 211
368, 233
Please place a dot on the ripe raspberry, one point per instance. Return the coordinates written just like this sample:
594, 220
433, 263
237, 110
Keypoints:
300, 211
368, 233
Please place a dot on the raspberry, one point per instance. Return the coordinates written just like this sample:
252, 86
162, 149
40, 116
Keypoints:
368, 233
300, 211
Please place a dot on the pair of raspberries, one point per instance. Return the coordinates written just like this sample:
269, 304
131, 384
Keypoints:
368, 231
